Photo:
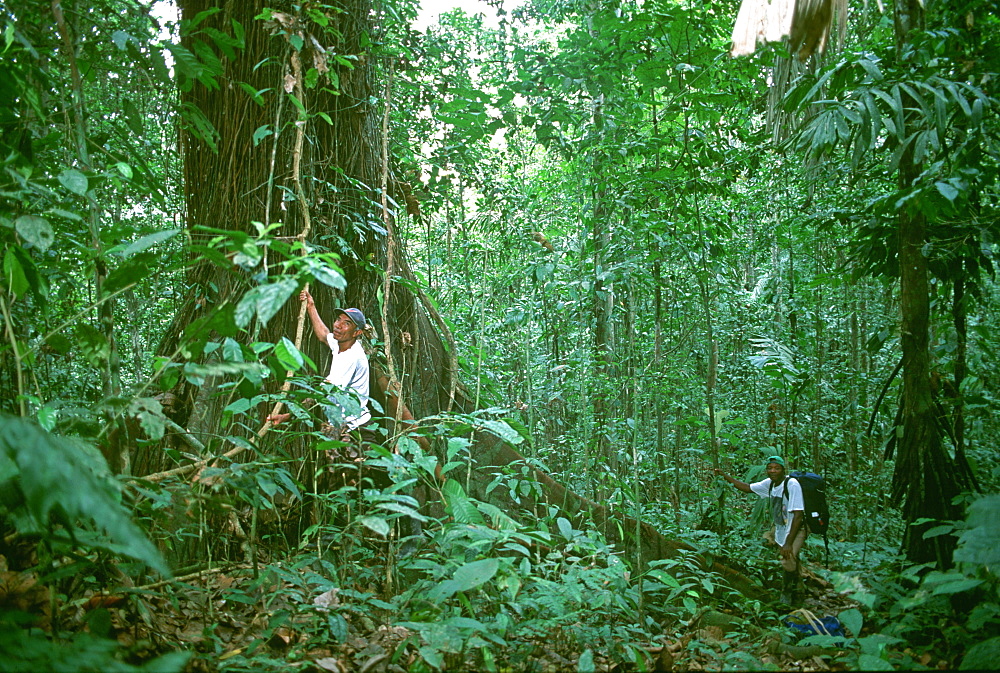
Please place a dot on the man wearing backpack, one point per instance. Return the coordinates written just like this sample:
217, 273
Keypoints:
789, 529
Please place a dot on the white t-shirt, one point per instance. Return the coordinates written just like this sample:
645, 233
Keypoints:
349, 370
781, 508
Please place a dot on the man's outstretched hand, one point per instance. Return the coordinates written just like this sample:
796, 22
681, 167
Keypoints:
277, 419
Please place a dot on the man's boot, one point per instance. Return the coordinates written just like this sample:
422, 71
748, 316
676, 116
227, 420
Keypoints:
798, 591
409, 531
788, 582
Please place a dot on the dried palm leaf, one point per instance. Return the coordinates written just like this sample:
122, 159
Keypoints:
759, 22
806, 24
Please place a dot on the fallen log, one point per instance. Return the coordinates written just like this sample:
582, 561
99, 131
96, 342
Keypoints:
492, 454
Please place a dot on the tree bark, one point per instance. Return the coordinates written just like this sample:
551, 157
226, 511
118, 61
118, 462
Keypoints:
923, 472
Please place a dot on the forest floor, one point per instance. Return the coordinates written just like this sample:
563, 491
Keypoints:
274, 617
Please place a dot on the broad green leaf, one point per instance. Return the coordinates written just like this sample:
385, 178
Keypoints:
68, 477
226, 44
519, 548
432, 657
457, 445
171, 662
149, 411
402, 509
938, 530
920, 148
980, 544
13, 274
464, 623
47, 417
264, 301
586, 662
239, 406
74, 181
231, 350
565, 528
947, 190
318, 16
148, 241
191, 24
959, 98
312, 78
984, 656
241, 442
326, 272
121, 38
238, 33
267, 485
474, 574
131, 271
442, 591
286, 481
262, 131
502, 430
868, 662
376, 524
124, 169
807, 98
458, 505
35, 230
900, 111
288, 355
852, 620
977, 113
69, 215
498, 518
186, 64
666, 578
956, 587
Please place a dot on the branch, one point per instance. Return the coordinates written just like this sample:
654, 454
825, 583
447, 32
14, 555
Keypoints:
881, 396
390, 249
300, 196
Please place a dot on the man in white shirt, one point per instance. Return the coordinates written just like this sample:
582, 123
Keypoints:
789, 530
348, 372
349, 364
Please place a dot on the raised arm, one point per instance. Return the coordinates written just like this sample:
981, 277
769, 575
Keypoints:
741, 485
319, 327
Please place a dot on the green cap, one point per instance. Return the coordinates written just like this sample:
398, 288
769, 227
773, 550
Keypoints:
775, 459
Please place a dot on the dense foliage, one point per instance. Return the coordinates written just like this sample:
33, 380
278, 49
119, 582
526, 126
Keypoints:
642, 258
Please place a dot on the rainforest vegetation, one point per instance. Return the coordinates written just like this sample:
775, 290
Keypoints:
603, 257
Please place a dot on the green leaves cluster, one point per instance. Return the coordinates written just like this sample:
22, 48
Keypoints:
60, 488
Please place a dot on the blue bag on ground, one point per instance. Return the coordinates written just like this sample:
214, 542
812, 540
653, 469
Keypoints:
816, 626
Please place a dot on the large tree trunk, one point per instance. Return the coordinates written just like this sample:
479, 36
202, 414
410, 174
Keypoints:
926, 478
924, 473
344, 164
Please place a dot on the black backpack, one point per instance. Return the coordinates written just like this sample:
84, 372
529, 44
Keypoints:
817, 511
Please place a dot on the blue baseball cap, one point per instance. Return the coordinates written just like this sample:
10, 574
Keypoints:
355, 315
